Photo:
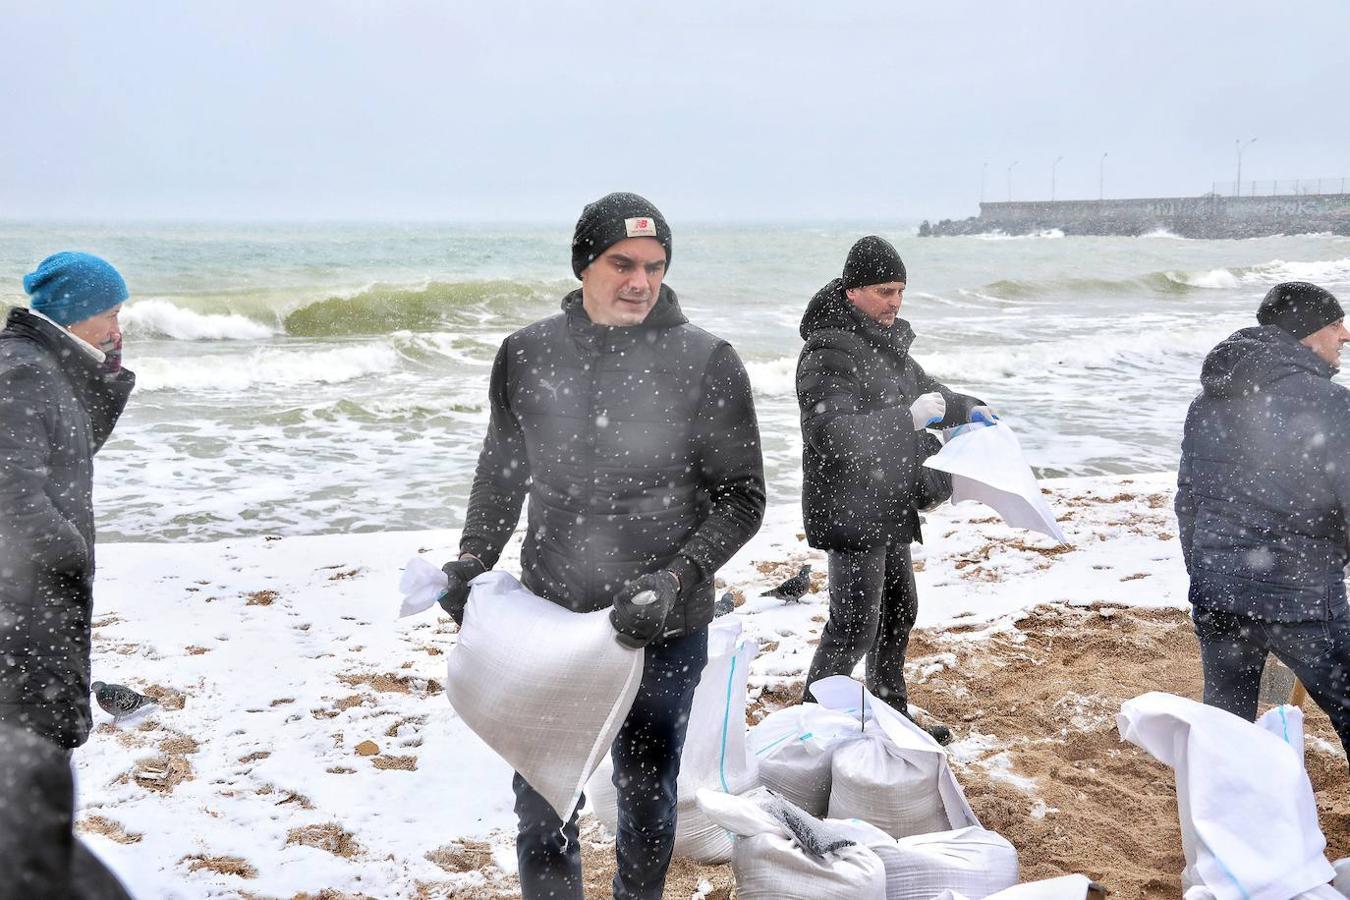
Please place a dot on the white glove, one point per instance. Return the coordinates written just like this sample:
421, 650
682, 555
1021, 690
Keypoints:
929, 408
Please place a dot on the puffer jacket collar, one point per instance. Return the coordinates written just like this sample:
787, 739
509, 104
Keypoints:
666, 313
75, 360
830, 309
1255, 358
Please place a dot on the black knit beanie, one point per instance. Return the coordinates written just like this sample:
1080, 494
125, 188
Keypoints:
1299, 308
611, 219
872, 261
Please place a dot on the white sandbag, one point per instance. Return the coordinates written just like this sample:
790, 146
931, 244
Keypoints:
770, 865
1342, 880
715, 754
986, 464
895, 776
971, 861
545, 687
873, 780
1066, 887
1249, 827
794, 747
421, 585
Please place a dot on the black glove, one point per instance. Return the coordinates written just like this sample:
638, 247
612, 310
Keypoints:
460, 572
640, 609
934, 487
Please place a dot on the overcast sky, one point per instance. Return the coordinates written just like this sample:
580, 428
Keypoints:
755, 110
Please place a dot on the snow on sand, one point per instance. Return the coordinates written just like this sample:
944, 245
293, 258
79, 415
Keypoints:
303, 742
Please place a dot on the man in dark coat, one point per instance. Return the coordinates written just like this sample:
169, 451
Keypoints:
39, 853
865, 406
62, 389
1263, 500
633, 434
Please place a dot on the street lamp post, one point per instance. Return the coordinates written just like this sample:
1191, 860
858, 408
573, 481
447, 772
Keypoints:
1240, 147
1052, 176
1101, 178
1010, 168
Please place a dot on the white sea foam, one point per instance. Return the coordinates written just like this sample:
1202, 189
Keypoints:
1320, 272
773, 377
265, 367
1163, 234
1214, 279
1044, 234
160, 318
1073, 355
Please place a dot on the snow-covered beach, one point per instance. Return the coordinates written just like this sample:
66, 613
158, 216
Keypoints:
303, 743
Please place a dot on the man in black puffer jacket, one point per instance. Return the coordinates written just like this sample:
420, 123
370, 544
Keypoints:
865, 406
633, 433
1263, 500
62, 390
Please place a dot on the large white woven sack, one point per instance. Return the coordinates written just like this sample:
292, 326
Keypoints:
544, 687
896, 776
714, 755
972, 862
1249, 819
770, 865
794, 747
873, 780
1066, 887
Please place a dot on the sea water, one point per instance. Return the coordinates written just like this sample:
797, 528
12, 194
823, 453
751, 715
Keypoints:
313, 379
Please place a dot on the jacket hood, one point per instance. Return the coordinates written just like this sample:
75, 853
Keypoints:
830, 309
665, 314
1257, 357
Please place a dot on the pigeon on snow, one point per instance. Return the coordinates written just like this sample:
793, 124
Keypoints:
794, 587
118, 700
724, 605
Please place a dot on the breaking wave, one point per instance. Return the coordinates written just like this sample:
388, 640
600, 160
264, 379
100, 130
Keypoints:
160, 318
375, 310
1044, 234
435, 307
1336, 271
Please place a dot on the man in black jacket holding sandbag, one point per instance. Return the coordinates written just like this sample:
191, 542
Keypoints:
1263, 501
866, 405
633, 433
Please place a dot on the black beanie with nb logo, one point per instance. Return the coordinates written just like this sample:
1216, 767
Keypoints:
611, 219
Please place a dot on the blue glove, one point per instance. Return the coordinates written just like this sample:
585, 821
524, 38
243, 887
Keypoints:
983, 414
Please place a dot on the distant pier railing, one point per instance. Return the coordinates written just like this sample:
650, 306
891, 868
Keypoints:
1282, 187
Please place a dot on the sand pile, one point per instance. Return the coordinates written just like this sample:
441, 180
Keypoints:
1033, 700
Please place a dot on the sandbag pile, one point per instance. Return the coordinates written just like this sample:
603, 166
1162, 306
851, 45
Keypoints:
1066, 887
973, 862
715, 754
544, 687
782, 853
893, 776
795, 747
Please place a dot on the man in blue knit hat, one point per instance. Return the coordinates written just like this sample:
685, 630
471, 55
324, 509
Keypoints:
62, 389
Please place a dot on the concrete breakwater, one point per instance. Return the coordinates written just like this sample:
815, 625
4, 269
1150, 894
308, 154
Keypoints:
1211, 217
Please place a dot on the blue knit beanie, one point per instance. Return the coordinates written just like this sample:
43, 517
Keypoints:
70, 287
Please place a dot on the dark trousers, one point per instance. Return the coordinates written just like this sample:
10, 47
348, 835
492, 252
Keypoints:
873, 604
646, 756
1233, 651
